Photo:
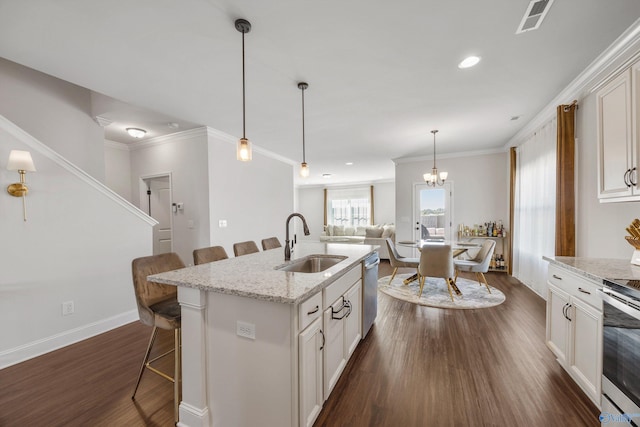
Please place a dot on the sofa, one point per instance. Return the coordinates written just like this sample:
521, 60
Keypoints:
363, 235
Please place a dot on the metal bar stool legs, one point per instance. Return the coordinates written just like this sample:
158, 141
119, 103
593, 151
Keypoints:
176, 379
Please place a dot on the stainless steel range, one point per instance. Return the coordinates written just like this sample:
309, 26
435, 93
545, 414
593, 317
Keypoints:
621, 352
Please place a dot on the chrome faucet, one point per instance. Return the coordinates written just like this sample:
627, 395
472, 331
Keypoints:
287, 248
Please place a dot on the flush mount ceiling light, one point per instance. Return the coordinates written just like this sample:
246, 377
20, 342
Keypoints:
243, 151
304, 168
469, 62
136, 132
434, 178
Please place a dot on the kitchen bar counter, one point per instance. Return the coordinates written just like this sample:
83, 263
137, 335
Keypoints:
597, 268
255, 276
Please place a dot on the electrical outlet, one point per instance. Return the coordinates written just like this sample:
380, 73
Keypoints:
222, 223
67, 308
247, 330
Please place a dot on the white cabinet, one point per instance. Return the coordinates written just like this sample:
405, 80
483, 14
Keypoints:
574, 328
343, 327
311, 343
618, 109
333, 322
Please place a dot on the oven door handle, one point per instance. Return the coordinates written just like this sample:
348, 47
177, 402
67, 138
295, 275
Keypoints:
614, 299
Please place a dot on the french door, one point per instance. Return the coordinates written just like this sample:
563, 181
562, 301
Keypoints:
433, 212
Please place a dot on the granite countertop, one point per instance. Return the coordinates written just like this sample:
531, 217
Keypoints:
255, 276
598, 268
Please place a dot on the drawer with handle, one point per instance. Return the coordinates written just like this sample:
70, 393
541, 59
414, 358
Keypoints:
310, 310
578, 286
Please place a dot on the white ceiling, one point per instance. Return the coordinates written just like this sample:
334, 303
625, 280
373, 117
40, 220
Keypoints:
381, 74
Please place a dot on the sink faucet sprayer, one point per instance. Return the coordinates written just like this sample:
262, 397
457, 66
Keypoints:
287, 248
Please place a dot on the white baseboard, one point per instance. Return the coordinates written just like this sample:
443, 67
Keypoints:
37, 348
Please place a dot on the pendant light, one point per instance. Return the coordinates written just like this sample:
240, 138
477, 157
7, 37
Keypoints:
434, 178
243, 151
304, 168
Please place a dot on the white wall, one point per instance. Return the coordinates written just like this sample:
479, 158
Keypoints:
77, 245
255, 198
311, 205
55, 112
480, 189
184, 156
117, 168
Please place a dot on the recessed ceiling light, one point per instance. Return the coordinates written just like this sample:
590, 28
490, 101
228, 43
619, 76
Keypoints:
136, 132
349, 163
326, 175
469, 62
173, 125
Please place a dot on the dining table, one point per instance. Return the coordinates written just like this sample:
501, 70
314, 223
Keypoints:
457, 248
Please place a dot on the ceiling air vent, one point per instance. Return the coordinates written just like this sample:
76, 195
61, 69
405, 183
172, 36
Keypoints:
536, 11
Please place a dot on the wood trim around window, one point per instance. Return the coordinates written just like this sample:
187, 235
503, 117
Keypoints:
565, 182
325, 207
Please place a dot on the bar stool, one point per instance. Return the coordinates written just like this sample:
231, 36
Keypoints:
205, 255
245, 248
270, 243
158, 307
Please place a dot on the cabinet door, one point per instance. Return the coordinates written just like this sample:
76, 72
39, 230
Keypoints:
586, 347
615, 151
334, 354
557, 323
353, 322
311, 343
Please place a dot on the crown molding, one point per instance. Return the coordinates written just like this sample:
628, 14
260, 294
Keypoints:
346, 184
102, 122
414, 159
165, 139
116, 145
624, 50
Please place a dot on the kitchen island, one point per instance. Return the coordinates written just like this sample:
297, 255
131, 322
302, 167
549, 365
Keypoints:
265, 346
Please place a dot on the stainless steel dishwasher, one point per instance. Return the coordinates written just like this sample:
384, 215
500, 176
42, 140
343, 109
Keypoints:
370, 291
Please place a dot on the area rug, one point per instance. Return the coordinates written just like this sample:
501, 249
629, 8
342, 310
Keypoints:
435, 293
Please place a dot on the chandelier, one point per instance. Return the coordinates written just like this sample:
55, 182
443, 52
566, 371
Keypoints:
434, 178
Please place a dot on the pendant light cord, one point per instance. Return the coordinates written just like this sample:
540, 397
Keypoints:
243, 92
303, 142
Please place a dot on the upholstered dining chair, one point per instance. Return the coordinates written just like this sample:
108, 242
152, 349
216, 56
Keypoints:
398, 261
479, 264
270, 243
436, 261
158, 307
245, 248
211, 254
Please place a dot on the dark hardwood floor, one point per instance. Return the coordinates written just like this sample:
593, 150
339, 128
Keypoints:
418, 366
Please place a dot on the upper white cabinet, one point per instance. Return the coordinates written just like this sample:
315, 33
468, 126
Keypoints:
618, 142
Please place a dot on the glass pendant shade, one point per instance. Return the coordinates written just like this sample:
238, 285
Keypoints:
243, 152
304, 170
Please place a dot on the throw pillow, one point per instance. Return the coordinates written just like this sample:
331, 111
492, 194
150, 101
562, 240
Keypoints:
388, 231
338, 230
329, 230
374, 232
349, 231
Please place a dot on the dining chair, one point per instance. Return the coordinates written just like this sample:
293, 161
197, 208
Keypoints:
398, 261
211, 254
245, 248
436, 261
158, 307
479, 264
271, 243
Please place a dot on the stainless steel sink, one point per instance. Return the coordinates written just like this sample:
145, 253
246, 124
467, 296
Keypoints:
312, 263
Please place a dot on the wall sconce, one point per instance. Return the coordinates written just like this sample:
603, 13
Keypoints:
22, 162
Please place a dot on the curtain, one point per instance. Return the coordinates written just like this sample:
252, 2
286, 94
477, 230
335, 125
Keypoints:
349, 206
565, 184
534, 210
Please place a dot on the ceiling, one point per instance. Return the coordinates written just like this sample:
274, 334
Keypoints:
381, 74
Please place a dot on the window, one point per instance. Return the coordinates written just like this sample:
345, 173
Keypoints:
351, 207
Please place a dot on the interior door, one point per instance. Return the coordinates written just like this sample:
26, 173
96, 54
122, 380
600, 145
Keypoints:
432, 216
159, 208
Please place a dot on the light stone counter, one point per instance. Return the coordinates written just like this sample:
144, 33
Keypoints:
598, 268
255, 276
